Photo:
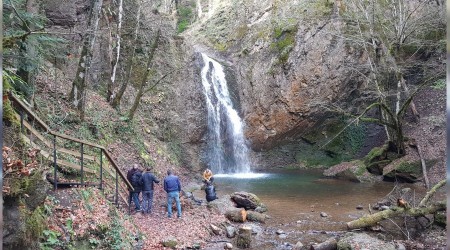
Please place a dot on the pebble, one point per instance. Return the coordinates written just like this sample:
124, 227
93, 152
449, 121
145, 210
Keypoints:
279, 231
323, 214
228, 246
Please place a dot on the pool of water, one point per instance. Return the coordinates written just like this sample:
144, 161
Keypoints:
298, 197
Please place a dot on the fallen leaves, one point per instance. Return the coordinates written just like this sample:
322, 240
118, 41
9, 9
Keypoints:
13, 167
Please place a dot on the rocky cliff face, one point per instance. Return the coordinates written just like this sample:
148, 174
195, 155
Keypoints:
288, 65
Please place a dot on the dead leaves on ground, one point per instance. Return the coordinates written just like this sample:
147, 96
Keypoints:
13, 167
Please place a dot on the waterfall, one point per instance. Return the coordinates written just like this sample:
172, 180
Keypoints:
199, 9
227, 151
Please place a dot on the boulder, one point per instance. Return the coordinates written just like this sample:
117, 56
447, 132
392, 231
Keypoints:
230, 231
169, 242
353, 241
352, 171
223, 204
407, 171
246, 200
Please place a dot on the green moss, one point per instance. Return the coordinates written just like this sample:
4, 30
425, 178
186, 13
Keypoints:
220, 46
409, 167
35, 223
440, 218
361, 169
374, 154
439, 84
184, 18
9, 114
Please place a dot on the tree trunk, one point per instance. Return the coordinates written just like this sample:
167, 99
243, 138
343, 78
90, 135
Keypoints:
116, 99
330, 244
372, 219
236, 214
112, 81
145, 77
106, 45
78, 91
255, 216
244, 238
431, 192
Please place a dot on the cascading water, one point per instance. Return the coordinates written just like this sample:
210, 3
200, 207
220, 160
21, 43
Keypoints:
227, 152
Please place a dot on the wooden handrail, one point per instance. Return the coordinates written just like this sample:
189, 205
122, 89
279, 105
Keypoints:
118, 170
24, 107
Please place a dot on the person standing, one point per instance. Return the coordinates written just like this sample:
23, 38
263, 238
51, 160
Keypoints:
173, 188
130, 174
147, 190
137, 185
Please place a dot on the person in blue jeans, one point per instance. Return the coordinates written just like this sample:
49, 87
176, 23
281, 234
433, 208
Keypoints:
173, 188
147, 180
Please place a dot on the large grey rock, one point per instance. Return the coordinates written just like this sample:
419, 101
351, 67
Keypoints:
352, 171
354, 241
246, 200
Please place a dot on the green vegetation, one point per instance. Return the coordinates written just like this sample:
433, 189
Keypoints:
375, 154
439, 84
354, 137
185, 17
283, 41
51, 240
114, 236
35, 223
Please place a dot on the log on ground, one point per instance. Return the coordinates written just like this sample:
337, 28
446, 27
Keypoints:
255, 216
372, 219
330, 244
236, 214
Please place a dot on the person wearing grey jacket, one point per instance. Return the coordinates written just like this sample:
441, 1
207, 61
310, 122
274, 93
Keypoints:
147, 181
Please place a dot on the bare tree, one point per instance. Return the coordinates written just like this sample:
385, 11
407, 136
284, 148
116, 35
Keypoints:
384, 30
111, 82
145, 77
115, 102
78, 92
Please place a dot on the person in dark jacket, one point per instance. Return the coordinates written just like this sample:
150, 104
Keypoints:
147, 180
173, 188
135, 181
210, 191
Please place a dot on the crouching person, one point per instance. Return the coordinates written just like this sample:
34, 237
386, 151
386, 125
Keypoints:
210, 191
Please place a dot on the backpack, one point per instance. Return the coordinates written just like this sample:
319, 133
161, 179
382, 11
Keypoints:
136, 179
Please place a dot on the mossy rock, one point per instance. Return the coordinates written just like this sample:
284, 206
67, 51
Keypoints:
378, 158
408, 171
354, 171
440, 219
376, 154
246, 200
169, 242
